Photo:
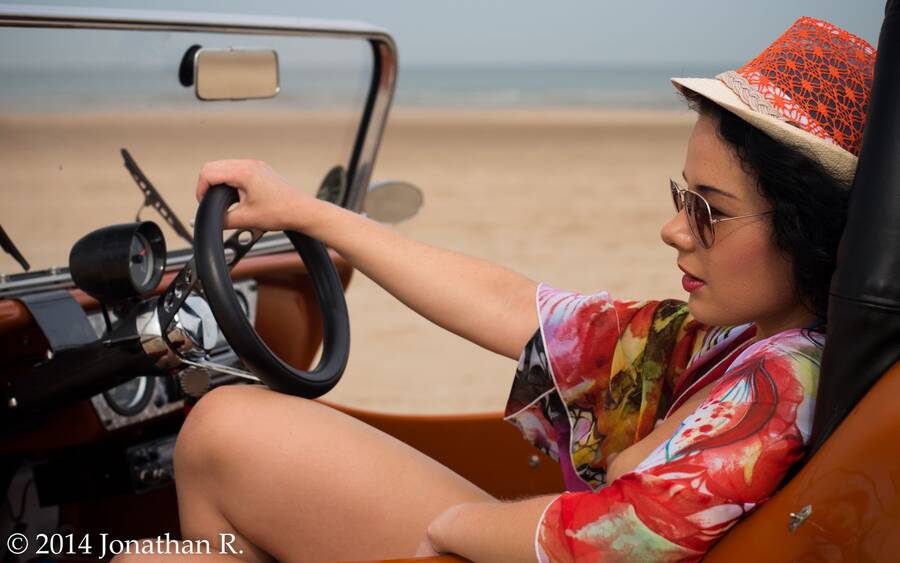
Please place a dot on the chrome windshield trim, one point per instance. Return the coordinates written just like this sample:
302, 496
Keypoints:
368, 137
170, 20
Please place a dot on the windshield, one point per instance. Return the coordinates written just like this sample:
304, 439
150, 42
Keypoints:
72, 99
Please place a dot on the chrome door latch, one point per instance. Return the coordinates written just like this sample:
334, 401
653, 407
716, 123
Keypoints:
798, 518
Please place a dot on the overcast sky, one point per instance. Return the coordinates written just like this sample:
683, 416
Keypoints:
545, 32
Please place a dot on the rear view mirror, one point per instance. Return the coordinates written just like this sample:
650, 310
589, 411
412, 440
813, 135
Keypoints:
393, 201
235, 74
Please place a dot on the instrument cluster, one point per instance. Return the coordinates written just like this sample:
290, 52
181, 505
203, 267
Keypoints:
147, 396
121, 266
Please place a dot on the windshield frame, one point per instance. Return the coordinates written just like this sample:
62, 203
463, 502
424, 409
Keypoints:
368, 136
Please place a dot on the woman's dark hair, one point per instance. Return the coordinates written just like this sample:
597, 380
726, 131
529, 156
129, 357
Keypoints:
809, 205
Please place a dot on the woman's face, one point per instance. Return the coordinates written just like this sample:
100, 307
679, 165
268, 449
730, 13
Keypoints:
745, 278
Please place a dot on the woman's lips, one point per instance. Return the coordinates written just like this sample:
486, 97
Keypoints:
691, 284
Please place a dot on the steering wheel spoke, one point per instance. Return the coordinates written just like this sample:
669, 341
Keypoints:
174, 297
239, 244
186, 281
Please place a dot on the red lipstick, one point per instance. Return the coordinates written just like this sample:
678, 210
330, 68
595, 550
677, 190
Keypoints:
691, 284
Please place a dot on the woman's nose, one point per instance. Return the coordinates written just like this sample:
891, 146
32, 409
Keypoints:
676, 233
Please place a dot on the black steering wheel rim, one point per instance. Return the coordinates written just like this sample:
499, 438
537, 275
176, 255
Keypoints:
213, 272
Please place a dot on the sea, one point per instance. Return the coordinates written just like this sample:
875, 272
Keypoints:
585, 86
633, 86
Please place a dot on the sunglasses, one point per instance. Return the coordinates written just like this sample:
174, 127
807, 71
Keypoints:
699, 214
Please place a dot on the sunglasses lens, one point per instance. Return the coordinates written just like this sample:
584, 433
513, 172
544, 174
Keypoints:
698, 218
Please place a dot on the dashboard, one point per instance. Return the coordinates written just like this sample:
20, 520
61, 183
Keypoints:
98, 416
139, 420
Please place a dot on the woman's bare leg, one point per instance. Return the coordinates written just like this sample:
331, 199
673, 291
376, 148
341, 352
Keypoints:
299, 481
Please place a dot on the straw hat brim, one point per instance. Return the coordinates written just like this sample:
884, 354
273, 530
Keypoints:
837, 160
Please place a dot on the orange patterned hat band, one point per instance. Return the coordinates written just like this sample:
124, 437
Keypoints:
815, 76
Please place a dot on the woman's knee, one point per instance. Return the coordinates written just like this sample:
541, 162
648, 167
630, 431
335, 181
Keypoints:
214, 427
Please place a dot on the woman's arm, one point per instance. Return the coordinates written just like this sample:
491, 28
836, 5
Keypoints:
489, 531
476, 299
485, 303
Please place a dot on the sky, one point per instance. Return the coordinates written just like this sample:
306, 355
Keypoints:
576, 32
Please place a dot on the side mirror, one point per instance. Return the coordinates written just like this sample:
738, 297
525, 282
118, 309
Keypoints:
393, 201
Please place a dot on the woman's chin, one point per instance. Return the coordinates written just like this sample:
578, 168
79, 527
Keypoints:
709, 314
693, 308
703, 312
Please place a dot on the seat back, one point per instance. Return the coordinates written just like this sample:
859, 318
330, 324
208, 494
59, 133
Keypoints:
864, 307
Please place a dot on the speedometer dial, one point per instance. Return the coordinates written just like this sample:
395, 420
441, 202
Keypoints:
131, 397
141, 264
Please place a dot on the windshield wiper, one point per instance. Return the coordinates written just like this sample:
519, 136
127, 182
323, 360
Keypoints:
154, 200
7, 244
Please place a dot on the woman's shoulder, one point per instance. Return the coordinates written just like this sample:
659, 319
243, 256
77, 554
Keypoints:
787, 363
794, 354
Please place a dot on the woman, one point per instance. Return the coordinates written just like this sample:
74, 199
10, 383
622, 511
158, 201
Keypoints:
671, 420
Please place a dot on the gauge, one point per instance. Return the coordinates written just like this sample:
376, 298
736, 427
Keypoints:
131, 397
119, 262
140, 263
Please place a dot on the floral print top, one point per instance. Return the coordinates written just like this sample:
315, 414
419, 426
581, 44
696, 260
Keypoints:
598, 375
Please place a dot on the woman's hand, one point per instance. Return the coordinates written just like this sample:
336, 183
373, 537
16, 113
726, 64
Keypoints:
487, 531
267, 201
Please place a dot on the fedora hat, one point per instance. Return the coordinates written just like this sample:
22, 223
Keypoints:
809, 89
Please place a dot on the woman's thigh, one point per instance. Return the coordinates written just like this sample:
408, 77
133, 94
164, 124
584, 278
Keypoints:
303, 481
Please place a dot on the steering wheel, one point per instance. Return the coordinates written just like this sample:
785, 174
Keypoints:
213, 273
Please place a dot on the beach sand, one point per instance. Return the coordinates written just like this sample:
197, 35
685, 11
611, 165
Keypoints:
573, 198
